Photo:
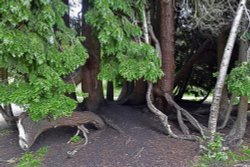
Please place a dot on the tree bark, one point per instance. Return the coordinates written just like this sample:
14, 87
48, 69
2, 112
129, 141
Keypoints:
90, 83
167, 45
214, 110
110, 91
224, 104
138, 96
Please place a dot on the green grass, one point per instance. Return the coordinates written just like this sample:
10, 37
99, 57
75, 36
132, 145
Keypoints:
32, 159
75, 139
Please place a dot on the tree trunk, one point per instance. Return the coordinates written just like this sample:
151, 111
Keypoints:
224, 104
127, 89
138, 96
90, 70
214, 110
237, 132
167, 46
6, 110
110, 91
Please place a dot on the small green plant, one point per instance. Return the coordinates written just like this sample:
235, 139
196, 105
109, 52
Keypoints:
213, 153
242, 155
32, 159
75, 139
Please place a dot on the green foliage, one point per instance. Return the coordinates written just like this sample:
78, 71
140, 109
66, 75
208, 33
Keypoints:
242, 155
32, 159
123, 54
75, 139
239, 80
215, 155
38, 50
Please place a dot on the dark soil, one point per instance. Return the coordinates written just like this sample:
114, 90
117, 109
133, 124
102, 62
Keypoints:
142, 143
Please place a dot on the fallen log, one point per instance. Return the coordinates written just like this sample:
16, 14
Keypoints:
30, 130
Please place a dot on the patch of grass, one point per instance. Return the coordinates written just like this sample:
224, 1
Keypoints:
32, 159
75, 139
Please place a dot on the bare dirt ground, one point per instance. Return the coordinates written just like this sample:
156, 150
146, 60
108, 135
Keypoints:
142, 143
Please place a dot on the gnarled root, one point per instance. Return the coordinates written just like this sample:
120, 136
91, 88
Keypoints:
164, 119
84, 130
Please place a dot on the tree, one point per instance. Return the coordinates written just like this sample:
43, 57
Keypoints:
223, 71
38, 50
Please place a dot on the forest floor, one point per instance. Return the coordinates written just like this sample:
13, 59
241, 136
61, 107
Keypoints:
141, 142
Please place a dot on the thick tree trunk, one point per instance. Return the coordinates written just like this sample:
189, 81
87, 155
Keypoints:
90, 70
214, 110
138, 96
167, 46
127, 89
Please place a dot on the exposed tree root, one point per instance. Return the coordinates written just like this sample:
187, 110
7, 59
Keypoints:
164, 119
181, 111
112, 125
84, 130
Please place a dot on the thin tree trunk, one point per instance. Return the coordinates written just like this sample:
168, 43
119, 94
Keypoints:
224, 104
214, 110
237, 132
110, 91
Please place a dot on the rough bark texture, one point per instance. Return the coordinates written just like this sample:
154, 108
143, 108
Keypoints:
90, 70
167, 45
214, 110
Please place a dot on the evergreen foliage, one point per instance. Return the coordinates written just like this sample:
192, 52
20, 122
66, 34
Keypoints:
117, 26
239, 80
38, 50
